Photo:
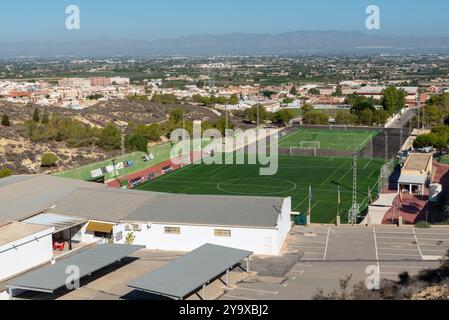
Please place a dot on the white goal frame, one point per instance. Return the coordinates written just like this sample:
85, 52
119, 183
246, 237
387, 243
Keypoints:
302, 149
318, 143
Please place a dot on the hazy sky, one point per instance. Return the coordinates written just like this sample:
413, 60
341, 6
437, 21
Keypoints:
152, 19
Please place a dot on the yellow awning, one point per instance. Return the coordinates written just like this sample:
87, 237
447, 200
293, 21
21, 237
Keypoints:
100, 227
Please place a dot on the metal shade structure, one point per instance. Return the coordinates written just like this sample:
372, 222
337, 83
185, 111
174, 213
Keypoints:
53, 277
60, 222
185, 275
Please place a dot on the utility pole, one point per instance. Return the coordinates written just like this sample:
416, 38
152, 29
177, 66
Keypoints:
387, 158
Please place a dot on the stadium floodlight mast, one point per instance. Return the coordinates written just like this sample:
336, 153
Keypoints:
354, 212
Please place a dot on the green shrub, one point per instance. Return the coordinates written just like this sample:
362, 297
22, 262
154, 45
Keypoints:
49, 160
5, 173
423, 225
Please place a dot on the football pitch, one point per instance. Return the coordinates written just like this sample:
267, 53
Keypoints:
295, 175
331, 139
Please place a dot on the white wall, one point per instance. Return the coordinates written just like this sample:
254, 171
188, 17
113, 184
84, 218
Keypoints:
26, 253
258, 240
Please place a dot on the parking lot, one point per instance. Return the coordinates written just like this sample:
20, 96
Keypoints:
314, 259
324, 255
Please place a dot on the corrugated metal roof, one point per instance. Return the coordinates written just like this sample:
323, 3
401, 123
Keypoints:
96, 202
188, 273
30, 195
60, 222
212, 210
107, 204
53, 277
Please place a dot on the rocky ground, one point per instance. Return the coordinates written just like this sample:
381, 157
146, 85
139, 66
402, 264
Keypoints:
21, 155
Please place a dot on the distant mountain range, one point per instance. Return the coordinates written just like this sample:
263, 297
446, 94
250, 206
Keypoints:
297, 42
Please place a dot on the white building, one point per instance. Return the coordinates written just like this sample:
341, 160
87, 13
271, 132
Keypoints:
156, 220
23, 247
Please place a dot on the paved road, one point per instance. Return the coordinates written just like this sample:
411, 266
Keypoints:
330, 254
406, 117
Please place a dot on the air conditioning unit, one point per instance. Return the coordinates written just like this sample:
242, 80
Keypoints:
137, 227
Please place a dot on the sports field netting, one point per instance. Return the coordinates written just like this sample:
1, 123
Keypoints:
293, 178
329, 139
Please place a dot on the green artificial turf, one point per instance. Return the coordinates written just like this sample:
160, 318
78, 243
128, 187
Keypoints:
293, 178
330, 139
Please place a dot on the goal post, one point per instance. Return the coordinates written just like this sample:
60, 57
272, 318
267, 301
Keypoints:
310, 145
303, 151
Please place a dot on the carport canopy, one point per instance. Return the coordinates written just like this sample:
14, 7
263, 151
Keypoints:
189, 273
55, 276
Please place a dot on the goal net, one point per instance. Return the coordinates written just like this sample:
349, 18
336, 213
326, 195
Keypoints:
310, 145
296, 151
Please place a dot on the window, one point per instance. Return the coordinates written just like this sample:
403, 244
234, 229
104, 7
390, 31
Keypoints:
172, 230
222, 233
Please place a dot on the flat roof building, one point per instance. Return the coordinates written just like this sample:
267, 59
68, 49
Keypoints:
416, 173
159, 221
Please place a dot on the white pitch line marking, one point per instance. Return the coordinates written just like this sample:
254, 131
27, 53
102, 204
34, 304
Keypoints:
327, 244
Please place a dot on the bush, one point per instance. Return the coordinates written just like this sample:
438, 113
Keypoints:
5, 120
5, 173
423, 225
49, 160
137, 142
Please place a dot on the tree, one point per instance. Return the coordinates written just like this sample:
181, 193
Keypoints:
367, 117
268, 93
49, 160
283, 117
315, 118
338, 92
45, 118
294, 91
36, 115
252, 113
200, 84
176, 116
360, 103
234, 100
394, 100
222, 124
346, 118
110, 137
137, 142
314, 92
5, 120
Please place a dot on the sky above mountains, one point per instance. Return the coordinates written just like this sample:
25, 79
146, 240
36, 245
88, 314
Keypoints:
26, 20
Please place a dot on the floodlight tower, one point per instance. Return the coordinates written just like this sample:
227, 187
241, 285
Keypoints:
354, 212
